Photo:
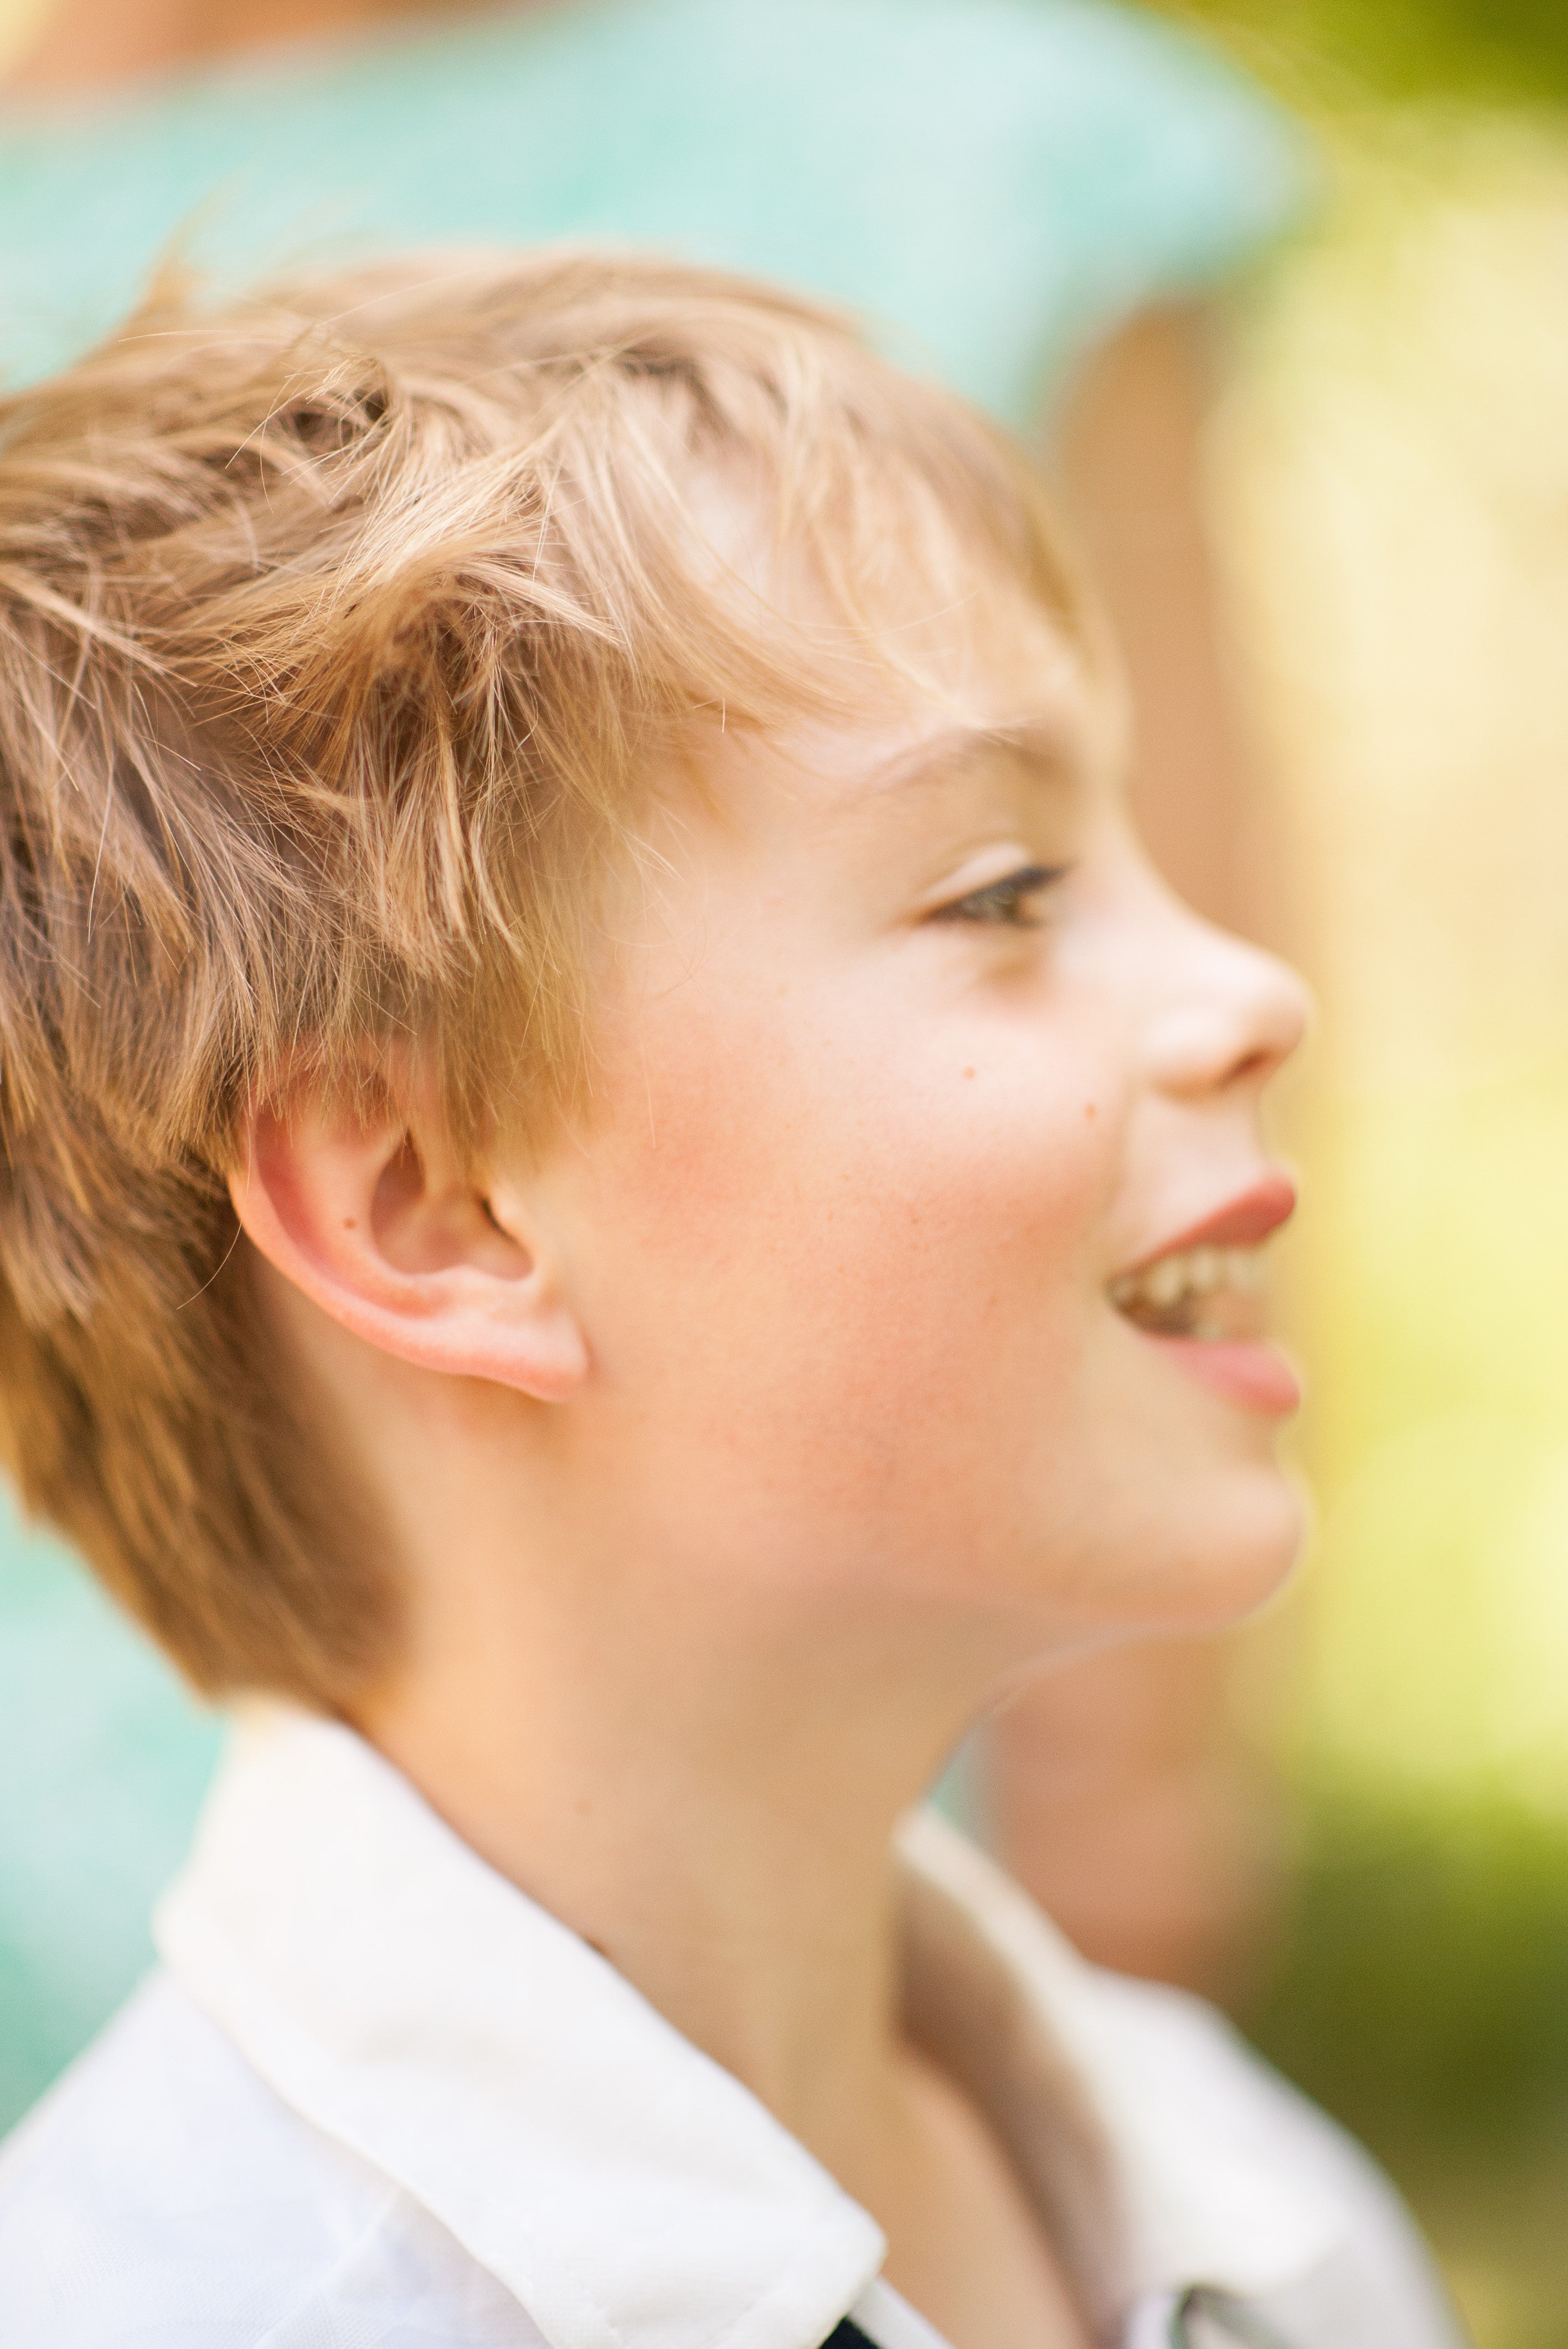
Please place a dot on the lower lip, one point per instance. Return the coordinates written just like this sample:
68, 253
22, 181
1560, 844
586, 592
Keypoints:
1255, 1376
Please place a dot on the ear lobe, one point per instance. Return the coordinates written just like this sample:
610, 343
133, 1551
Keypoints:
379, 1227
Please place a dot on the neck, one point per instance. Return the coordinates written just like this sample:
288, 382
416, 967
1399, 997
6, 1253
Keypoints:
711, 1804
93, 44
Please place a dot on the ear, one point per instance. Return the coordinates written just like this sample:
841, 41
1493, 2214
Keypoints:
378, 1224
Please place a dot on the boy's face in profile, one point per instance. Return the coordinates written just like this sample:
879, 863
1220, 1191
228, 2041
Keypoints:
905, 1064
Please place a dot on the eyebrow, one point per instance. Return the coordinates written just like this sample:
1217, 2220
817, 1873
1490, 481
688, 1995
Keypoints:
1054, 745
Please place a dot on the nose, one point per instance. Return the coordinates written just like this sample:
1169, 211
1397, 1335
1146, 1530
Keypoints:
1225, 1014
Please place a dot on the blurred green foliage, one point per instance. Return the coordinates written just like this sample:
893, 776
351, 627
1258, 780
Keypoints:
1420, 1994
1339, 51
1421, 1990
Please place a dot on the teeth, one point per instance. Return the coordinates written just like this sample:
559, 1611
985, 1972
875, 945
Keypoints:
1165, 1281
1190, 1273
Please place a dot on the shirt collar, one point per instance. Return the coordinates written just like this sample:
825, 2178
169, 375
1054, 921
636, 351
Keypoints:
1174, 2177
413, 2004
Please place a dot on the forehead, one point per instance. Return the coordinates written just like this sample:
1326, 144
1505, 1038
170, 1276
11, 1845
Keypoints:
1015, 704
917, 657
898, 597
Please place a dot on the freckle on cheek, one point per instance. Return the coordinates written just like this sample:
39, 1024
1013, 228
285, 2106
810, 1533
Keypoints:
1091, 1109
969, 1073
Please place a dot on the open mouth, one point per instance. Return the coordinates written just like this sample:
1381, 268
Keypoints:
1215, 1295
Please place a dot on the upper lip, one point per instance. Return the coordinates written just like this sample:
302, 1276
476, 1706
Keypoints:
1242, 1221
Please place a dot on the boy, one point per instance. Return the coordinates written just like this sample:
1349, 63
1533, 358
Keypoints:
622, 1201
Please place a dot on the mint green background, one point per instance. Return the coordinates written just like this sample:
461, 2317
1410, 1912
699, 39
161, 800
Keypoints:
996, 178
995, 182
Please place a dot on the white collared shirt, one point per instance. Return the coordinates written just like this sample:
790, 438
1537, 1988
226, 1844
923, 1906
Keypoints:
376, 2099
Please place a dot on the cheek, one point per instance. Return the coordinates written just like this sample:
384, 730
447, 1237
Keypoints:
859, 1278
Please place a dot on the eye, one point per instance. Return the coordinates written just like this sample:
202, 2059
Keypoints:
1012, 903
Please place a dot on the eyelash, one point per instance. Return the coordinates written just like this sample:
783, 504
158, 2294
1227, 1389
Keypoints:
1001, 903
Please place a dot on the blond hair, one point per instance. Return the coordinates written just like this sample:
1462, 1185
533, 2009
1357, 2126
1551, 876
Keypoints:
339, 628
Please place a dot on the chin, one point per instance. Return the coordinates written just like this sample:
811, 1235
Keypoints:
1241, 1546
1190, 1558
